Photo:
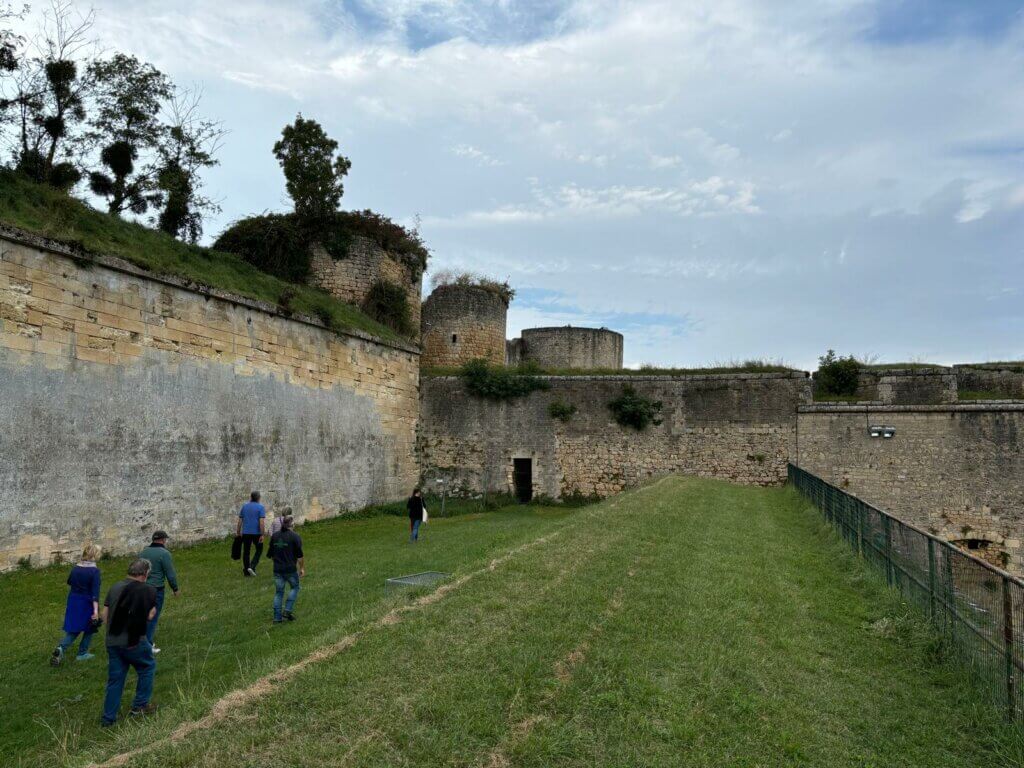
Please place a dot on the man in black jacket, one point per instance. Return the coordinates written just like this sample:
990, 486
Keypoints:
128, 608
416, 509
289, 566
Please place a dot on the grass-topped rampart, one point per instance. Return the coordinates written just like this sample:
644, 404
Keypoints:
50, 213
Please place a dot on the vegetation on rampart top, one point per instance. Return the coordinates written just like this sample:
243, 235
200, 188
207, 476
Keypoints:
837, 376
472, 280
42, 210
532, 369
496, 382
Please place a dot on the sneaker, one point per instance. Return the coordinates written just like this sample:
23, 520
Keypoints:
155, 649
279, 621
106, 723
148, 709
57, 656
85, 656
250, 571
289, 615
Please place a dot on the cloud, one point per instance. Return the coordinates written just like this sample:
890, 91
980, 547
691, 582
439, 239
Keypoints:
763, 169
477, 155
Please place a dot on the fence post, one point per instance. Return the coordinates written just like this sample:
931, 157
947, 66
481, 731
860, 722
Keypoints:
860, 530
1011, 699
931, 579
888, 548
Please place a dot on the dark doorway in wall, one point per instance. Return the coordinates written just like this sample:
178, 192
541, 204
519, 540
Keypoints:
455, 338
522, 479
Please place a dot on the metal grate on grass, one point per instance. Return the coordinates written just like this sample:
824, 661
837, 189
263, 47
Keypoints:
424, 579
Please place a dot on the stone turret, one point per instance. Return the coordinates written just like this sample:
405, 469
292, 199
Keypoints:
462, 323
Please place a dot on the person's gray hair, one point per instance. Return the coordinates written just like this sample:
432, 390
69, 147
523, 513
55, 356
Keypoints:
140, 567
287, 522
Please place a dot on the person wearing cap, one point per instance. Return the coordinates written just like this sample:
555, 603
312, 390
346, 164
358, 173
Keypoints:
161, 571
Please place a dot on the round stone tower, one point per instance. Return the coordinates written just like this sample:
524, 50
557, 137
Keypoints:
570, 347
462, 323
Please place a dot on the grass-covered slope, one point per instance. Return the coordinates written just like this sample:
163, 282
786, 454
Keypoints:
49, 213
689, 623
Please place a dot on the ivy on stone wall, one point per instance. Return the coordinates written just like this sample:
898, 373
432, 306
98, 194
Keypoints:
498, 382
388, 303
635, 410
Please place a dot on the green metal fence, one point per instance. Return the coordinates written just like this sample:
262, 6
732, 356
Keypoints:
977, 608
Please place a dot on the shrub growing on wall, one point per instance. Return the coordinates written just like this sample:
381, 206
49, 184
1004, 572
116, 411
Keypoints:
274, 243
837, 375
499, 383
387, 303
635, 410
561, 411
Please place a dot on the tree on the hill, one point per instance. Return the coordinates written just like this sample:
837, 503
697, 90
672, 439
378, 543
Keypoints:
52, 90
125, 124
188, 146
312, 171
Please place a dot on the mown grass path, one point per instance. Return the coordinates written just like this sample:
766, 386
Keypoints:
688, 623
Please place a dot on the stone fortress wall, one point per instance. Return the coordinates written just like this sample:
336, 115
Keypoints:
462, 323
131, 403
741, 427
938, 385
954, 470
568, 347
351, 278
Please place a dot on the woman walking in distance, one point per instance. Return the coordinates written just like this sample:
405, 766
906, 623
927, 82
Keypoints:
417, 511
83, 606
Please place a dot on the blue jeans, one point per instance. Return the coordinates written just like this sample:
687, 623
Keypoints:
280, 579
151, 625
140, 657
69, 640
415, 530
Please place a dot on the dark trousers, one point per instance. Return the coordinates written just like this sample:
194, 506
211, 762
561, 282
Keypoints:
248, 539
139, 657
151, 626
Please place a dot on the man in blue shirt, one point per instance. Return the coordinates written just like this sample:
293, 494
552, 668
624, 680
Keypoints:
251, 522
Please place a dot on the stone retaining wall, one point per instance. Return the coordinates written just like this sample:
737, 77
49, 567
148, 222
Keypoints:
132, 403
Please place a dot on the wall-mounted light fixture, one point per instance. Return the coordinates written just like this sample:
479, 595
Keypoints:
881, 431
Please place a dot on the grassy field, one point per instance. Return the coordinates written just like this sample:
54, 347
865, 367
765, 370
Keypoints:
687, 623
43, 211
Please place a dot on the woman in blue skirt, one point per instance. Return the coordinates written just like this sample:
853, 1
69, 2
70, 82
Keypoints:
83, 606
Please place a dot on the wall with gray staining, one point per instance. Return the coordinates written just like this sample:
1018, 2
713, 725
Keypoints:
954, 470
105, 453
741, 427
571, 347
131, 403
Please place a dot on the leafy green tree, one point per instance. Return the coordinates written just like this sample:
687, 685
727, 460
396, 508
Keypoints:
837, 375
52, 91
313, 171
126, 125
187, 147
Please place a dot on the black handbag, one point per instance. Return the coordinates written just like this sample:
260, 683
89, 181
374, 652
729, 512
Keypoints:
236, 548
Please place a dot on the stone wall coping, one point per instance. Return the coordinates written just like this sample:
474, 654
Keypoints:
987, 405
944, 371
1009, 367
655, 377
21, 237
563, 328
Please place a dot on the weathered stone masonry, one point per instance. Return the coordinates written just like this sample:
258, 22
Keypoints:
740, 427
351, 278
954, 470
129, 403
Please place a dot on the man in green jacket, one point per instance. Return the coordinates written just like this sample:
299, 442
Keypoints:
162, 570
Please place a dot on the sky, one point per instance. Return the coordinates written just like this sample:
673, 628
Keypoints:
718, 180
